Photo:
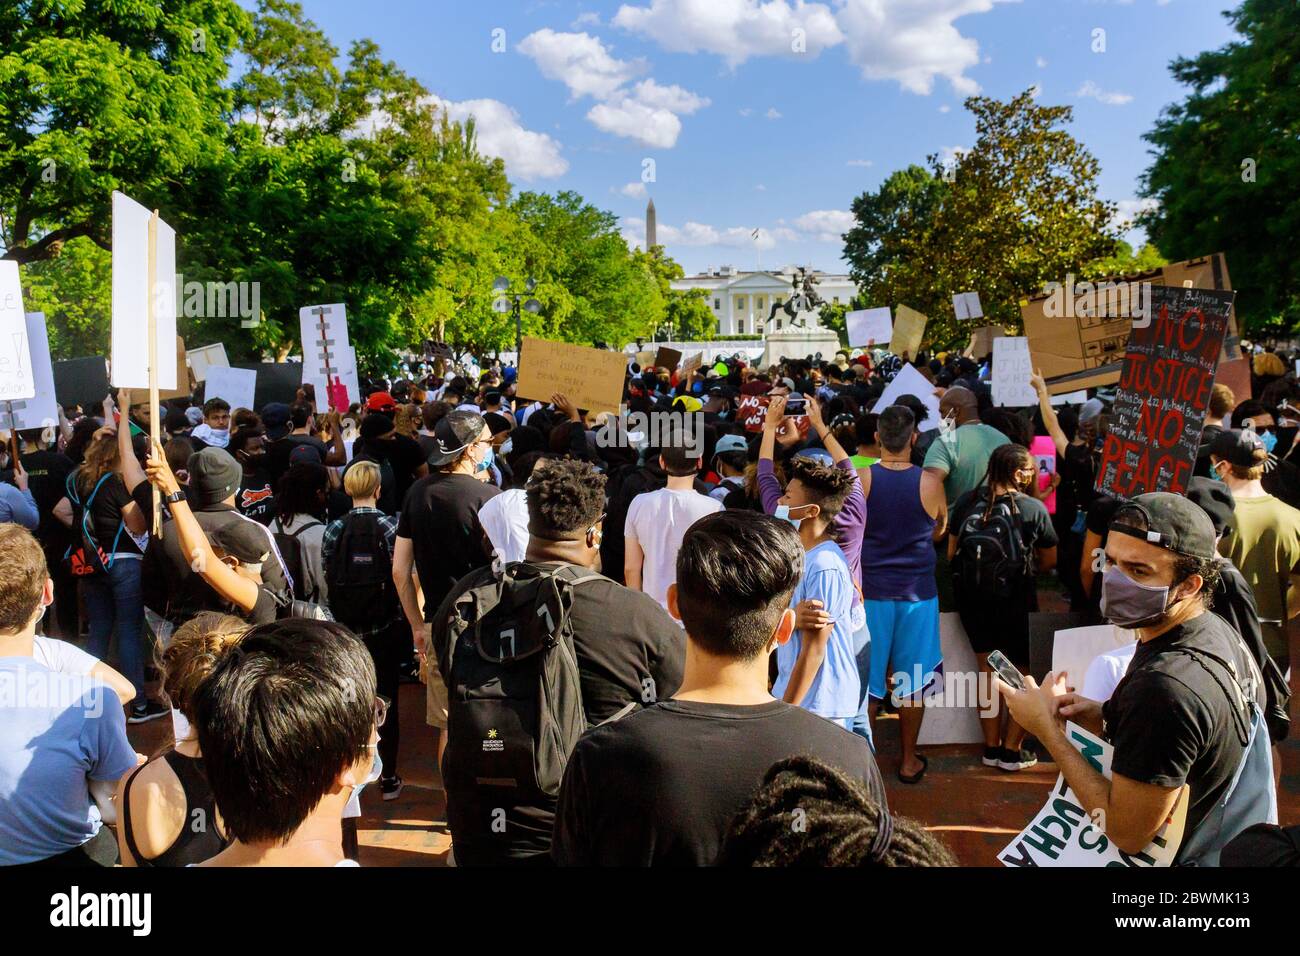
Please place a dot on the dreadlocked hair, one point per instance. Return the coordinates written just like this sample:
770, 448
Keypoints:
830, 486
1004, 464
808, 813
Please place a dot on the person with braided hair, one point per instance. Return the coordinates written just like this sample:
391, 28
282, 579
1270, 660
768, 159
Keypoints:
808, 813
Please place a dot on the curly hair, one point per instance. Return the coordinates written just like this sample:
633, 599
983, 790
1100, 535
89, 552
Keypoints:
565, 498
838, 824
827, 485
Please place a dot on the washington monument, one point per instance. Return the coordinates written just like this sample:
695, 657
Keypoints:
650, 226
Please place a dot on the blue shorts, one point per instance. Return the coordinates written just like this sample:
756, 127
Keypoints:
904, 646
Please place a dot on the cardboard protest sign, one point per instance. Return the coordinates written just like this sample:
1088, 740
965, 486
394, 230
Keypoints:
911, 382
981, 341
692, 363
1070, 398
238, 386
966, 306
201, 358
591, 378
1078, 330
1011, 371
1063, 833
645, 359
909, 330
82, 381
667, 358
1164, 392
1235, 375
41, 410
184, 385
869, 327
133, 297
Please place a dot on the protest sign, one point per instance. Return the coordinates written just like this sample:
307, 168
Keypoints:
667, 358
1164, 392
693, 363
341, 388
982, 339
909, 330
184, 384
966, 305
1235, 375
1078, 330
911, 382
82, 381
16, 378
1074, 649
1044, 451
202, 358
1064, 834
135, 259
645, 359
237, 386
1070, 398
751, 411
591, 378
1011, 371
276, 381
41, 410
869, 327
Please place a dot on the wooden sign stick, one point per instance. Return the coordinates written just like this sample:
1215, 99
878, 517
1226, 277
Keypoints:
13, 437
153, 366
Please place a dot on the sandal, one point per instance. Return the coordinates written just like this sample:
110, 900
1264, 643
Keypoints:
915, 778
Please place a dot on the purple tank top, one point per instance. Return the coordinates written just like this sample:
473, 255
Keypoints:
897, 544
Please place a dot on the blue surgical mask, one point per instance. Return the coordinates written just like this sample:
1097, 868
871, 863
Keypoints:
507, 445
486, 463
782, 513
376, 770
1269, 439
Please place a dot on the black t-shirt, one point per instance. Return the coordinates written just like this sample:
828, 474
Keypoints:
47, 478
440, 517
1036, 529
1169, 720
106, 513
1078, 477
256, 498
278, 453
663, 785
403, 457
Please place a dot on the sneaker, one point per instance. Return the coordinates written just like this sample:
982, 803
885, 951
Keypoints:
991, 756
1014, 760
391, 787
149, 710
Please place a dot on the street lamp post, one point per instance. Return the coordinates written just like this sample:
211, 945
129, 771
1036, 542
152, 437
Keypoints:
504, 304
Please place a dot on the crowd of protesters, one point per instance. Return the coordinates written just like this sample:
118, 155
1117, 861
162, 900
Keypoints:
637, 646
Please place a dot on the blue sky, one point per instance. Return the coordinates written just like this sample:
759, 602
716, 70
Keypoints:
747, 134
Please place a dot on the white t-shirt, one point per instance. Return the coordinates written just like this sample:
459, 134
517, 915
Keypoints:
1106, 671
505, 519
657, 521
62, 657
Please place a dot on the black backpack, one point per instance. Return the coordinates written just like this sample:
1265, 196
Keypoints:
991, 555
291, 554
360, 574
515, 707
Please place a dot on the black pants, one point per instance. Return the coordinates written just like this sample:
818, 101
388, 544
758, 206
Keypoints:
99, 850
386, 648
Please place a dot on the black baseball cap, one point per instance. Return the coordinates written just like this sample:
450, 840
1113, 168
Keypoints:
1215, 499
1238, 446
276, 419
455, 432
1168, 521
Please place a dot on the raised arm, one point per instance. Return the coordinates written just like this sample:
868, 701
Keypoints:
1049, 413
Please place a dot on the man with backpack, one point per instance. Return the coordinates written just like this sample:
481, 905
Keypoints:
1187, 719
533, 654
357, 553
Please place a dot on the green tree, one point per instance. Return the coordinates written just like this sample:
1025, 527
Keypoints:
1125, 262
74, 290
1017, 210
1227, 160
101, 96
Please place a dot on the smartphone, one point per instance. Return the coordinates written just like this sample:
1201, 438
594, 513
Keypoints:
795, 406
1007, 670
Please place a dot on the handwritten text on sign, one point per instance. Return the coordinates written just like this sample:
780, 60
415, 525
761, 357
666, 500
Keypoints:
1164, 391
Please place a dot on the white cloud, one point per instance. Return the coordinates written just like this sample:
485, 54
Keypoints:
825, 225
735, 30
650, 113
772, 113
1040, 62
633, 190
746, 111
863, 163
1092, 90
1130, 209
760, 188
702, 234
588, 19
945, 108
913, 42
948, 154
1036, 91
580, 61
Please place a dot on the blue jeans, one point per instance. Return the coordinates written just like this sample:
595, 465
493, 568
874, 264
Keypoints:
115, 605
860, 723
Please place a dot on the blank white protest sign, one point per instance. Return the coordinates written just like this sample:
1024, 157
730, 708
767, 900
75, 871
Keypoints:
131, 295
16, 379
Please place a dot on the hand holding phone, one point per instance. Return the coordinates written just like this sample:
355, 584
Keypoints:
1006, 670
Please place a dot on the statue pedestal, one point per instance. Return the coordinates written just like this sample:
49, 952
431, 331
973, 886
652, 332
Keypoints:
799, 344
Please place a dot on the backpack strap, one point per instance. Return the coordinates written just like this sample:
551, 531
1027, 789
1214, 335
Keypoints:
307, 527
1242, 721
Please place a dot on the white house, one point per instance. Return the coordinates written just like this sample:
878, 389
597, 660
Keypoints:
742, 301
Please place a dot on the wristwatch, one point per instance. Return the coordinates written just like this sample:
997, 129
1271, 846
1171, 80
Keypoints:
175, 496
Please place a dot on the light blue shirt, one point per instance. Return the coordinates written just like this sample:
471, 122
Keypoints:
18, 507
57, 733
836, 690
